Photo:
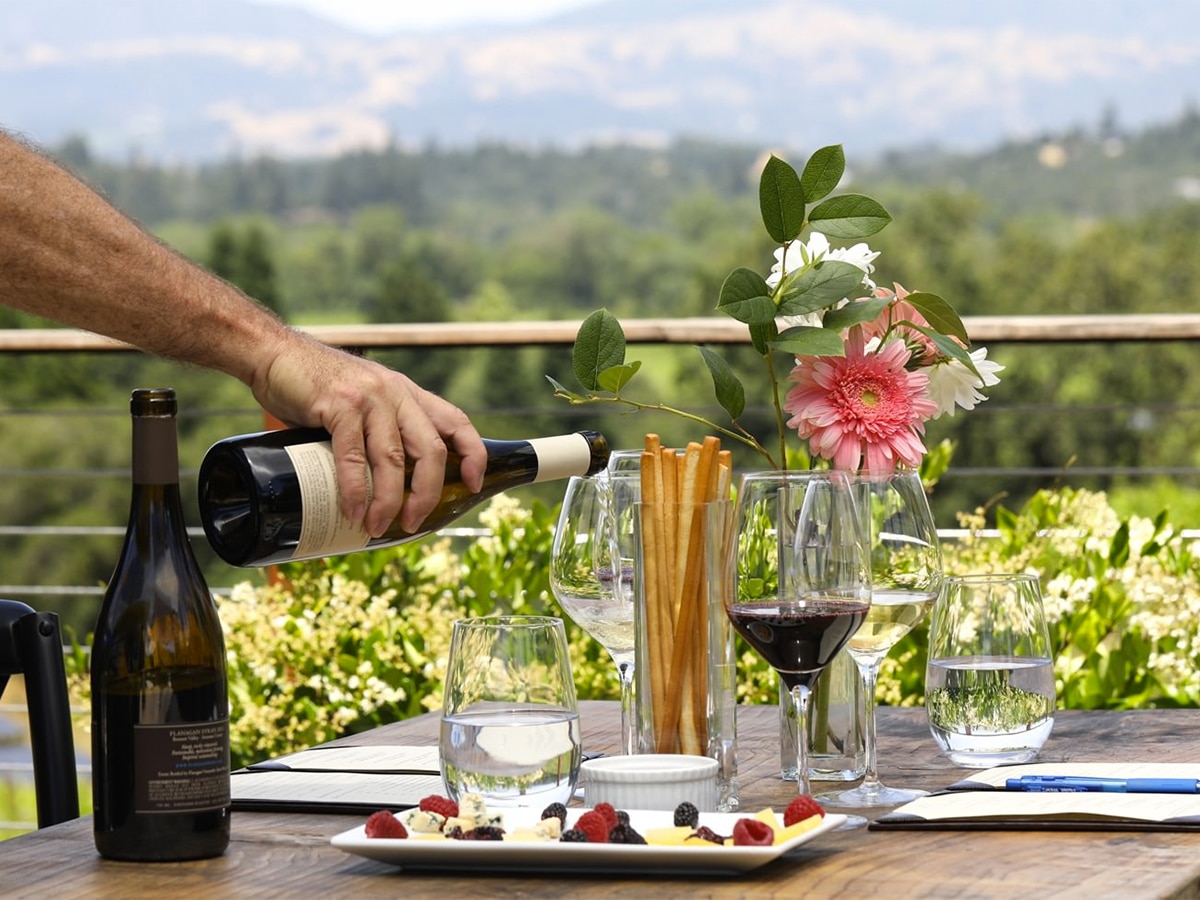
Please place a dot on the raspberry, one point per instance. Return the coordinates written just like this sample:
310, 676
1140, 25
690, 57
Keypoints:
800, 809
556, 811
687, 814
484, 833
573, 836
624, 834
609, 812
383, 824
752, 833
443, 806
594, 825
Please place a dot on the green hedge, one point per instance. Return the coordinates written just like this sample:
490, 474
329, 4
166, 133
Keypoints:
339, 646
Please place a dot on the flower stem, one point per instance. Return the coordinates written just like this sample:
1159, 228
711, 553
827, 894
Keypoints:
741, 435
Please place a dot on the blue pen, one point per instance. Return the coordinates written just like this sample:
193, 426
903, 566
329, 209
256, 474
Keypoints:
1075, 784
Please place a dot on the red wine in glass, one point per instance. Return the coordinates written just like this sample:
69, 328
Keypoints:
799, 638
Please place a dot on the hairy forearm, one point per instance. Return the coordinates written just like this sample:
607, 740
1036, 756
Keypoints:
67, 255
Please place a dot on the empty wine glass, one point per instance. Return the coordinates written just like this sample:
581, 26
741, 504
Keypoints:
593, 583
801, 581
906, 575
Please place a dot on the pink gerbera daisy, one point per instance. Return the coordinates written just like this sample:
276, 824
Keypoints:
861, 405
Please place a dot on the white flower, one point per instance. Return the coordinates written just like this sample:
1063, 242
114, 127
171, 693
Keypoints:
797, 255
952, 384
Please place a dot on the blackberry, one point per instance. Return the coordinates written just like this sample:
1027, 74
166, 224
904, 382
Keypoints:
556, 811
622, 817
484, 833
687, 814
574, 836
624, 834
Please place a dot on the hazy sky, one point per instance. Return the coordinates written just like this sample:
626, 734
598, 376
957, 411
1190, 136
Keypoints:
384, 16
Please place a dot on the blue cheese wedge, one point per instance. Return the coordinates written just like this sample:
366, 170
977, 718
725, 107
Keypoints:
423, 821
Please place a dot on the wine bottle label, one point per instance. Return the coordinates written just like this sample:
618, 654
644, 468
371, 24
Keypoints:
181, 767
561, 456
324, 531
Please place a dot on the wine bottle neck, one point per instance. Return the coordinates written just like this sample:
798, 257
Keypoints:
155, 450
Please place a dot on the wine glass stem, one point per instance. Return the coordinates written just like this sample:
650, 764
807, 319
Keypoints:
628, 734
869, 670
800, 702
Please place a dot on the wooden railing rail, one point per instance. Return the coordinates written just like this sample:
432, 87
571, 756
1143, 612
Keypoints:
697, 330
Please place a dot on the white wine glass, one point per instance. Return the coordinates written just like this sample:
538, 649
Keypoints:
594, 584
906, 576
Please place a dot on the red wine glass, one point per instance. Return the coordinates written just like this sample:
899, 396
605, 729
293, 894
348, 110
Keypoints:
800, 578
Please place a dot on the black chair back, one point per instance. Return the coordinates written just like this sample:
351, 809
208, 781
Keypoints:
31, 645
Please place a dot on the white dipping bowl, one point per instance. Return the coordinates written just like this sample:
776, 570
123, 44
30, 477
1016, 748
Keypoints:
650, 781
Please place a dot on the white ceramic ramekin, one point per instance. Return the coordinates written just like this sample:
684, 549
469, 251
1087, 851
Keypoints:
650, 781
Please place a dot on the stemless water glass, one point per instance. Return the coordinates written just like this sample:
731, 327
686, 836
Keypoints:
510, 721
592, 582
801, 578
989, 684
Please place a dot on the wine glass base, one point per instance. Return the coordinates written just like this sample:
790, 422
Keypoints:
852, 823
857, 798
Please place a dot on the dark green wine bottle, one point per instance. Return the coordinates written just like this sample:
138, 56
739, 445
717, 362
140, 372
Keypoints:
272, 497
160, 704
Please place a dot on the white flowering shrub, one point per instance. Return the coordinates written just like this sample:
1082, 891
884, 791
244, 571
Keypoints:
1122, 599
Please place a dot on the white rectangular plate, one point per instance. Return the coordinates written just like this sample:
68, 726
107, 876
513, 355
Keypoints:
533, 856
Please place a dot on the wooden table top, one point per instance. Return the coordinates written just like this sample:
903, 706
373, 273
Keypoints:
273, 854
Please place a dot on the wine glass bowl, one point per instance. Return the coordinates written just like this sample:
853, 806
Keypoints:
906, 574
593, 581
800, 578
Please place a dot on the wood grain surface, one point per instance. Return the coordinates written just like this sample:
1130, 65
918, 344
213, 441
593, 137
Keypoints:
277, 855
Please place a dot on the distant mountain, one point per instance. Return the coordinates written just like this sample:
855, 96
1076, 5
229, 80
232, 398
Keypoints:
197, 79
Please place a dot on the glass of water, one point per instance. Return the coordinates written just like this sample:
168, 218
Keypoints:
989, 684
510, 720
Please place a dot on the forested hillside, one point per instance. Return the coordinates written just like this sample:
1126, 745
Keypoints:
1086, 222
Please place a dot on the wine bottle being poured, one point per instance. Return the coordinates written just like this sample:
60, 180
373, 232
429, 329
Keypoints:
272, 497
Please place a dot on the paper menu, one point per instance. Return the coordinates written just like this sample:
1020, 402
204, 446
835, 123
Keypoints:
981, 802
339, 780
388, 758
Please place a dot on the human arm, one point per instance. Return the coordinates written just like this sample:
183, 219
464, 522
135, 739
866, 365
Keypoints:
66, 254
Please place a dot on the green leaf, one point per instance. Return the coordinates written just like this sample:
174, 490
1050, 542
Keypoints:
616, 377
762, 335
822, 172
849, 216
746, 297
855, 313
1118, 554
781, 200
819, 287
805, 340
939, 314
730, 393
599, 345
561, 391
946, 345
